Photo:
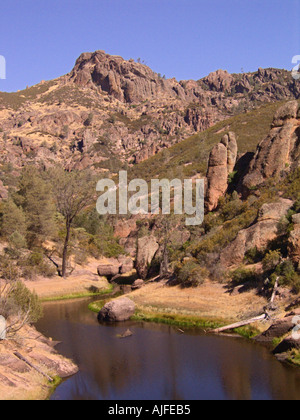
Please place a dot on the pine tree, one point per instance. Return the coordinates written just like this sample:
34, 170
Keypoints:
35, 197
13, 219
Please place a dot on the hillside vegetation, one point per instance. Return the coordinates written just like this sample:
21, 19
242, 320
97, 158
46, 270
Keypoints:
189, 157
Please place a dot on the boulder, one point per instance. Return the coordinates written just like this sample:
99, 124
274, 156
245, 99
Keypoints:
278, 329
138, 284
285, 112
258, 235
109, 268
294, 304
287, 344
117, 310
147, 248
274, 211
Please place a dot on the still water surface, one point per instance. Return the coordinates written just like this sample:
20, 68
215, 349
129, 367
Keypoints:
160, 363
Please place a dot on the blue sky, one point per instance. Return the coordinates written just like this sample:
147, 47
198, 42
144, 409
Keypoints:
186, 39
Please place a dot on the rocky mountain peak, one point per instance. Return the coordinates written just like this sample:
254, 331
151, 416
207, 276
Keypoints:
127, 81
109, 112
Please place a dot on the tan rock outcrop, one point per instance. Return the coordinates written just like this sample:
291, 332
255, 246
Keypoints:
147, 248
294, 241
279, 152
221, 163
256, 236
109, 268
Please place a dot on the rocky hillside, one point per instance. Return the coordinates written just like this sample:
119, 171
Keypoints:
109, 112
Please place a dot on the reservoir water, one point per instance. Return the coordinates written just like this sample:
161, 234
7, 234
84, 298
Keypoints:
160, 363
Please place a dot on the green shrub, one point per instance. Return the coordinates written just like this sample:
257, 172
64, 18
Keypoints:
253, 256
190, 274
36, 265
243, 275
25, 301
287, 275
271, 260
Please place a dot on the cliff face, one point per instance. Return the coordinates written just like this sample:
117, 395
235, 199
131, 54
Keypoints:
279, 152
108, 112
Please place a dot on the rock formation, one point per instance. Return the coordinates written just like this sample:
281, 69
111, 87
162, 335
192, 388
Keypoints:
279, 152
294, 240
278, 329
258, 235
147, 248
108, 111
117, 310
111, 267
138, 284
126, 264
221, 163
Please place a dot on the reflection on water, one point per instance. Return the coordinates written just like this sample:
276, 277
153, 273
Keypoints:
159, 363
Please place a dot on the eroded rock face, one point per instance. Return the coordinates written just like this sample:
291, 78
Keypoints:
279, 152
147, 248
294, 241
221, 163
107, 106
117, 310
126, 81
258, 235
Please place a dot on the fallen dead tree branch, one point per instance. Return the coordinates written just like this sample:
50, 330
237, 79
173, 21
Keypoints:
240, 324
19, 356
262, 317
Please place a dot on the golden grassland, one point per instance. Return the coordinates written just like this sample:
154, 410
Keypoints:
211, 301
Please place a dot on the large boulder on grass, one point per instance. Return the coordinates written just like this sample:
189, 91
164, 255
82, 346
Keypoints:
117, 310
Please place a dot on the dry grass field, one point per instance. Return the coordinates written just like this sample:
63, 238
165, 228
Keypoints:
211, 301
